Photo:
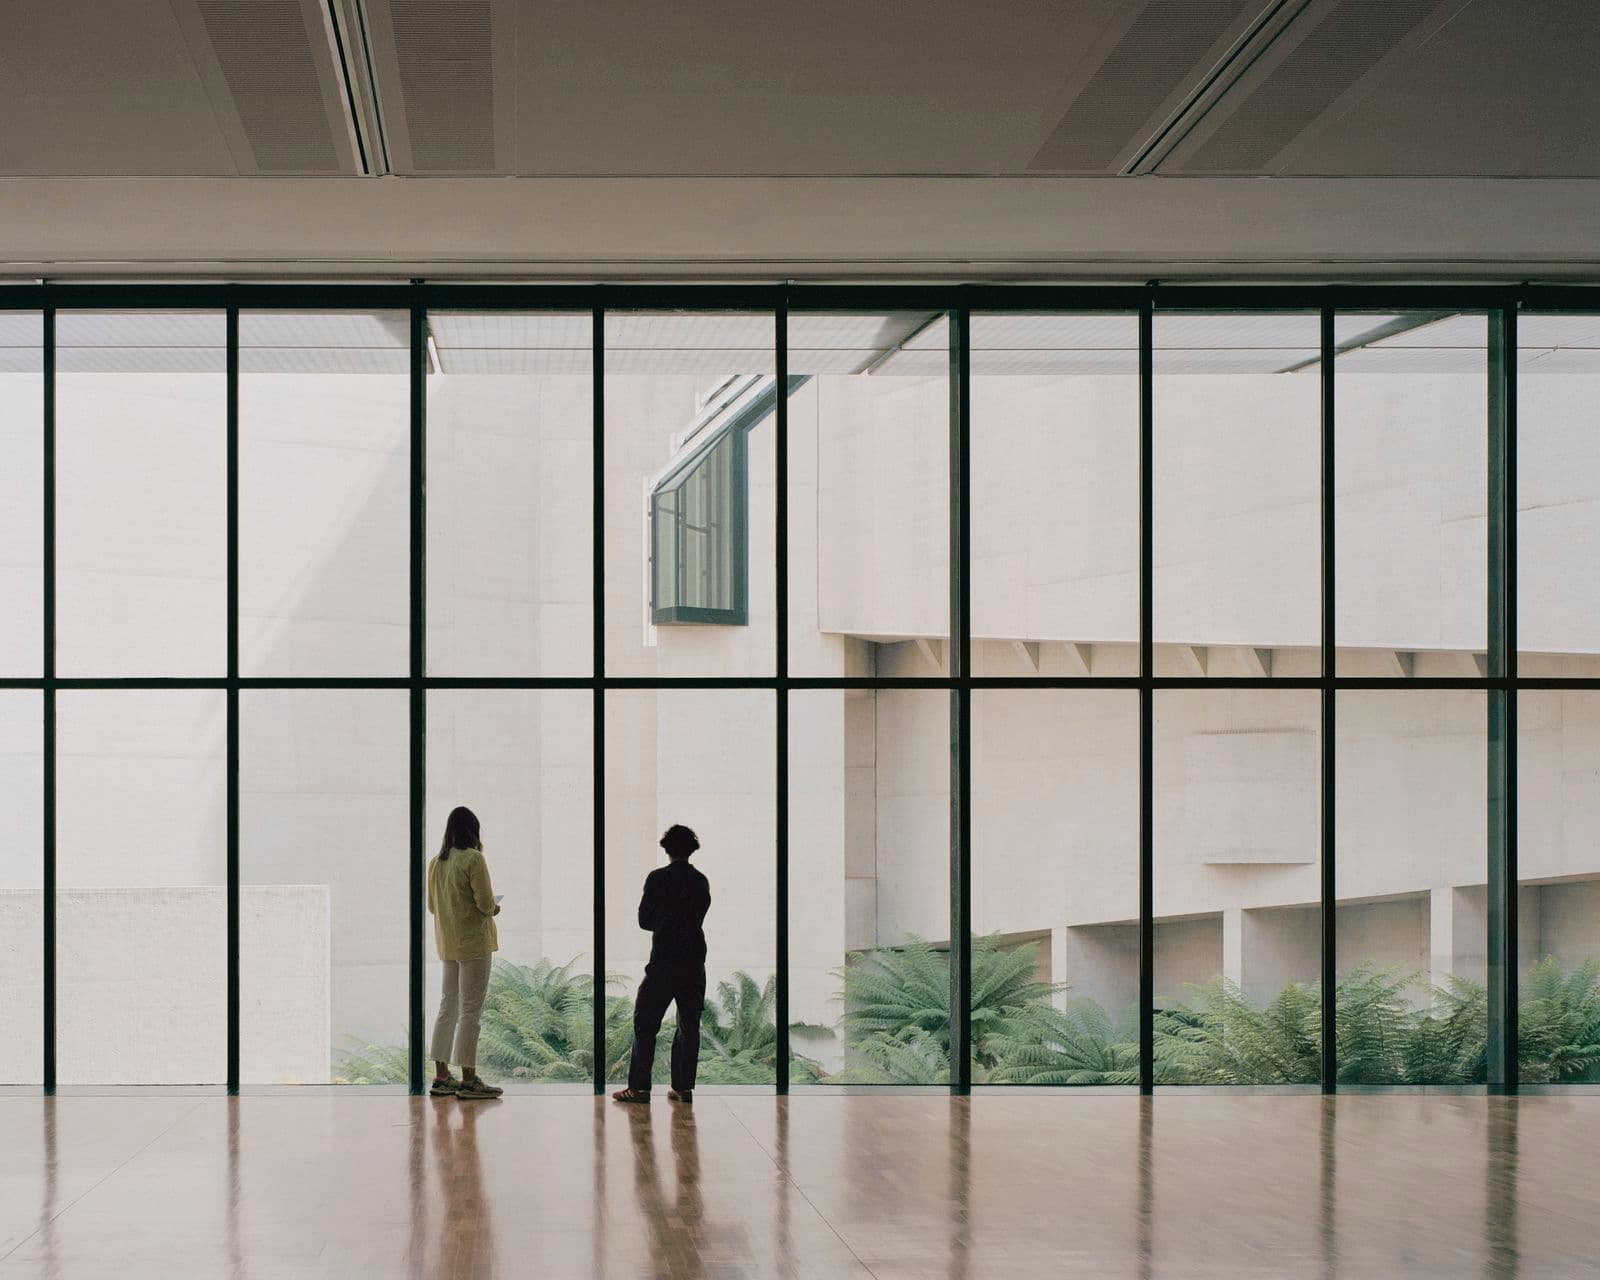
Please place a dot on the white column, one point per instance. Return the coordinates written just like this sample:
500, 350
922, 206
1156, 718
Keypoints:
1441, 935
1058, 964
1233, 945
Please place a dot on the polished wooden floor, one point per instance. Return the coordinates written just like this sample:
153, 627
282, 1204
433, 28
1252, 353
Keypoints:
1204, 1185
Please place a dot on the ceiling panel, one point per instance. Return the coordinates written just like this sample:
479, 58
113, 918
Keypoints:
1159, 49
1324, 53
832, 86
269, 68
103, 87
446, 73
1412, 88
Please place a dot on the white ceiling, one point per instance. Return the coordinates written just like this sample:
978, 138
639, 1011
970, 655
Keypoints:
813, 138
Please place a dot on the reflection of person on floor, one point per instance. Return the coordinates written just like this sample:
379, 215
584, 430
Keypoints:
466, 1229
676, 899
678, 1232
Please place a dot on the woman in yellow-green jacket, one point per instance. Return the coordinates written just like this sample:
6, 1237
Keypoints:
461, 901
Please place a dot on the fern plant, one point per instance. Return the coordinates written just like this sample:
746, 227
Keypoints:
1040, 1044
1558, 1023
739, 1036
893, 992
364, 1063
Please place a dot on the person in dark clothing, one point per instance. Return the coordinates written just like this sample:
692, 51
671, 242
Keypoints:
676, 899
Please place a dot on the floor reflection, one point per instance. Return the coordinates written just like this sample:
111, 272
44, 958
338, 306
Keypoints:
464, 1239
886, 1185
674, 1220
960, 1194
1500, 1176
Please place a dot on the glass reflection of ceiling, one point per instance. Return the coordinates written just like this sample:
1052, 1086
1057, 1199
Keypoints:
717, 343
21, 342
196, 342
1565, 344
1234, 342
141, 342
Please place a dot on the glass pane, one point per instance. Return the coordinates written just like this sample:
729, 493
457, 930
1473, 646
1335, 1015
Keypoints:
1412, 924
704, 759
687, 394
1237, 495
523, 762
1411, 483
1055, 887
324, 785
21, 492
22, 886
141, 494
1558, 896
1238, 887
1558, 495
141, 916
869, 494
869, 891
324, 493
510, 495
1055, 494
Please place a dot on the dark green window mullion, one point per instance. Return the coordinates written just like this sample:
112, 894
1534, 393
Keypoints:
48, 726
1146, 698
597, 782
233, 698
960, 651
737, 513
780, 603
1502, 709
1329, 964
418, 691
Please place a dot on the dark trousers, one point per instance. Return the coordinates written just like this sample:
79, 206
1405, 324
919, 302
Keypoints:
686, 988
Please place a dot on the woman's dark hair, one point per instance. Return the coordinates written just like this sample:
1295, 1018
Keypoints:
460, 832
679, 841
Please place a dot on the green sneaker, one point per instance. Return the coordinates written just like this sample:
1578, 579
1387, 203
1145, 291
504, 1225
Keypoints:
447, 1087
474, 1087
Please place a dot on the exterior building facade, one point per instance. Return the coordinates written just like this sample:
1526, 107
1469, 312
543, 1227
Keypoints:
1055, 415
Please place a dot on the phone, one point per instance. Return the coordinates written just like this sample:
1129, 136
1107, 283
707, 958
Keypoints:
499, 898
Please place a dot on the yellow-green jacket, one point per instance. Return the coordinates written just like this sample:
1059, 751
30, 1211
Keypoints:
461, 901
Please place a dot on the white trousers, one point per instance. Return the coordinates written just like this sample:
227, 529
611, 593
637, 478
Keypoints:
460, 1008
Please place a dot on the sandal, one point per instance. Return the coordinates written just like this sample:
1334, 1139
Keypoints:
631, 1095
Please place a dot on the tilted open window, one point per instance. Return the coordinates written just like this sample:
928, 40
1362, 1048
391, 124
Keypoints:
699, 534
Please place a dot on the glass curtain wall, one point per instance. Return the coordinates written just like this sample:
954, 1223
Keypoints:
1002, 660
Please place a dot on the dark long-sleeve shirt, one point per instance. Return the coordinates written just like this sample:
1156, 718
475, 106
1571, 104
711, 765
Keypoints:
676, 899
